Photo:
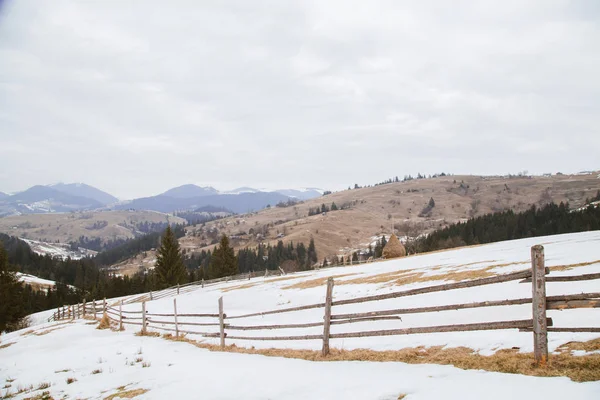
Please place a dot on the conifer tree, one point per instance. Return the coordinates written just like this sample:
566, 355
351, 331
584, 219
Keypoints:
223, 261
11, 295
312, 252
170, 269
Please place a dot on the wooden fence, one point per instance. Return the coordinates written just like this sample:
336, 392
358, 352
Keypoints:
225, 326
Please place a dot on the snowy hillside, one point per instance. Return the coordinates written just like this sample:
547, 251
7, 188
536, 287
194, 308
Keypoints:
158, 368
563, 254
61, 250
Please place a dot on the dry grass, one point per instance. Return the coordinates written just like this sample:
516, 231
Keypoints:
313, 283
566, 267
104, 322
5, 345
29, 332
244, 286
70, 380
127, 394
41, 396
578, 368
408, 276
47, 331
97, 371
591, 345
140, 333
401, 396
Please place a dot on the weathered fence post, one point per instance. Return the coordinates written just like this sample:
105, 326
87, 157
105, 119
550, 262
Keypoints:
84, 305
104, 305
175, 315
221, 323
540, 329
202, 282
266, 272
327, 317
178, 288
94, 305
151, 295
143, 317
121, 315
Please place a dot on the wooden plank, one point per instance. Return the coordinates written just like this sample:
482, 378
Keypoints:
442, 328
283, 310
553, 329
439, 288
205, 334
144, 318
417, 310
568, 278
540, 333
327, 317
567, 305
186, 323
262, 338
221, 323
262, 327
354, 320
175, 315
187, 315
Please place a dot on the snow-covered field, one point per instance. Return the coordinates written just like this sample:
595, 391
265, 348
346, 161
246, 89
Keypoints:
262, 294
181, 370
60, 250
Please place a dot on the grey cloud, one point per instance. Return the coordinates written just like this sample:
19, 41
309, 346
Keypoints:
136, 97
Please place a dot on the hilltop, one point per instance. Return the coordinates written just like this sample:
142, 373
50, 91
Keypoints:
365, 213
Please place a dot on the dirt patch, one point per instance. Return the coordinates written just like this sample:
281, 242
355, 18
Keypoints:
127, 394
566, 267
315, 282
578, 368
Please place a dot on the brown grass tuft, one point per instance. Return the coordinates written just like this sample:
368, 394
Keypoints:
140, 333
42, 396
5, 345
104, 322
578, 368
244, 286
313, 283
127, 394
566, 267
401, 396
71, 380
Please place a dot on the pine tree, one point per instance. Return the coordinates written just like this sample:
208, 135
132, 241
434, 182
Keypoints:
11, 295
223, 261
312, 252
170, 269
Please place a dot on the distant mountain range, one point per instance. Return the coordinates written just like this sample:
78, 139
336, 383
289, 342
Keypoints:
83, 190
81, 197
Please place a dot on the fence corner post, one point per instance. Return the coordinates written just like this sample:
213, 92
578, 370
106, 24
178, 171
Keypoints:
327, 317
143, 317
175, 315
540, 328
221, 323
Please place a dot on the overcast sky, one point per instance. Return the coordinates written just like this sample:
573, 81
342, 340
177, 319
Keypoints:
135, 97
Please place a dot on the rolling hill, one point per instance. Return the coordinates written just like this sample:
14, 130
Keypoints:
365, 213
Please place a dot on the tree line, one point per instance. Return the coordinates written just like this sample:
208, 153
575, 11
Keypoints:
550, 219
